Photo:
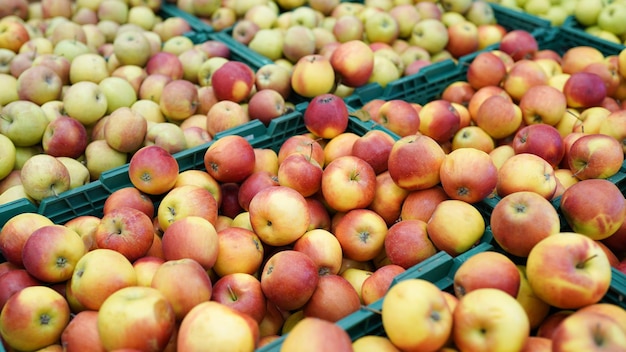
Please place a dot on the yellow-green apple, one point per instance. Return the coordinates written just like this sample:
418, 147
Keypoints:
273, 76
334, 298
100, 157
233, 81
361, 233
220, 164
407, 243
184, 201
34, 318
374, 147
380, 27
241, 292
240, 251
589, 119
125, 130
44, 176
353, 62
8, 95
414, 162
65, 136
512, 217
540, 139
352, 178
612, 125
595, 155
13, 35
326, 116
484, 319
373, 343
416, 303
577, 277
182, 295
591, 331
303, 337
323, 248
279, 215
14, 280
386, 67
224, 115
191, 237
388, 198
39, 84
218, 325
85, 101
607, 215
265, 105
313, 75
253, 184
289, 279
131, 48
267, 42
526, 172
320, 217
523, 75
458, 184
584, 89
420, 204
475, 137
455, 238
536, 110
153, 170
126, 230
509, 116
165, 63
89, 67
167, 135
462, 38
136, 317
356, 277
376, 285
192, 59
15, 233
487, 269
551, 66
341, 145
519, 44
98, 274
145, 267
536, 309
51, 252
24, 122
398, 116
179, 99
484, 62
430, 34
129, 197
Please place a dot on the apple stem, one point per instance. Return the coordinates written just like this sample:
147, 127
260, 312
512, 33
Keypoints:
582, 264
232, 294
377, 311
4, 117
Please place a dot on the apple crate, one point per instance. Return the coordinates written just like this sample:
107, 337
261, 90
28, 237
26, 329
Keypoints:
171, 10
574, 28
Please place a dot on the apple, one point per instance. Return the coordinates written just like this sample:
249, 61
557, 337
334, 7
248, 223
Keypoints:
289, 279
133, 74
412, 303
224, 115
519, 44
458, 237
611, 125
185, 201
65, 137
375, 343
398, 116
265, 105
167, 135
135, 317
279, 215
341, 145
584, 89
153, 177
14, 280
353, 62
458, 184
334, 298
298, 41
233, 81
510, 116
13, 35
126, 230
24, 122
361, 233
273, 76
430, 34
165, 63
85, 101
182, 295
462, 38
219, 163
414, 162
179, 99
323, 248
589, 119
487, 269
536, 309
500, 322
475, 137
373, 147
34, 318
240, 250
351, 177
44, 176
377, 285
407, 243
535, 108
313, 75
477, 71
542, 140
200, 241
583, 265
589, 329
125, 130
253, 184
523, 75
82, 333
15, 233
39, 84
320, 217
326, 116
511, 218
303, 336
301, 173
526, 172
100, 157
605, 218
388, 198
595, 156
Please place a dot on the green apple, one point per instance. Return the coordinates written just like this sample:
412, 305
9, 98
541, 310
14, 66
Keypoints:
24, 122
586, 12
612, 18
268, 42
7, 156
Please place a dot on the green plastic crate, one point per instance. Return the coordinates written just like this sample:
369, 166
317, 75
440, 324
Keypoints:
171, 10
574, 28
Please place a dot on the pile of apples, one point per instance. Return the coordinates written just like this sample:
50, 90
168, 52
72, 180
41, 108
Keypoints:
603, 19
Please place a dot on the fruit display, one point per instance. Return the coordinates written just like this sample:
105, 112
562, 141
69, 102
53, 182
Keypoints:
207, 190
